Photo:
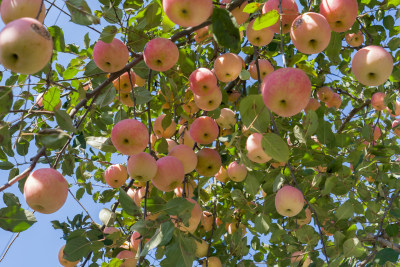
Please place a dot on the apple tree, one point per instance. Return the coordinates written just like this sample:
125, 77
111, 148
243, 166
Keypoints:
222, 133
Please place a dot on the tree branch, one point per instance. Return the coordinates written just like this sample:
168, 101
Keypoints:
351, 115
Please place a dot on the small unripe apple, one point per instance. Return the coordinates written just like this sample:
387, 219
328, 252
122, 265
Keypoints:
142, 167
265, 68
289, 201
354, 39
341, 14
160, 54
201, 248
227, 67
212, 262
237, 172
378, 101
15, 9
65, 262
116, 175
130, 136
123, 83
186, 156
159, 130
259, 38
289, 12
170, 174
110, 57
335, 101
208, 162
325, 94
204, 130
188, 13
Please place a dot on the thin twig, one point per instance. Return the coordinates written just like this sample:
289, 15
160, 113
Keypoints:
9, 245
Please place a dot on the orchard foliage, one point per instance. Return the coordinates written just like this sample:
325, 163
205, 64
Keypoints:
342, 155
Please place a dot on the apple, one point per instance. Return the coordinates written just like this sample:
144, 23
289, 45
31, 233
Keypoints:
212, 262
307, 220
170, 174
132, 193
227, 118
188, 13
190, 185
310, 33
202, 82
171, 144
45, 190
340, 14
190, 107
126, 99
129, 258
201, 248
286, 91
255, 152
159, 130
135, 240
61, 259
376, 131
39, 102
123, 83
202, 35
222, 175
160, 54
396, 130
15, 9
106, 216
204, 130
186, 156
184, 137
289, 201
116, 175
396, 109
335, 101
372, 65
194, 219
378, 101
208, 162
325, 94
110, 57
354, 39
265, 68
16, 54
240, 16
237, 172
130, 136
259, 38
313, 104
289, 12
234, 96
140, 82
297, 258
227, 67
142, 167
207, 220
110, 230
209, 102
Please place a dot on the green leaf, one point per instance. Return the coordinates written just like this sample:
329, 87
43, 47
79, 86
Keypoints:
11, 200
53, 140
385, 255
6, 100
127, 203
106, 96
6, 165
334, 47
180, 207
392, 230
77, 247
58, 38
16, 219
225, 31
161, 146
92, 69
81, 13
108, 34
101, 143
266, 20
275, 147
142, 95
325, 134
261, 223
161, 237
393, 3
181, 252
254, 113
345, 211
137, 39
150, 17
251, 184
307, 235
51, 98
394, 43
353, 248
278, 182
64, 121
252, 7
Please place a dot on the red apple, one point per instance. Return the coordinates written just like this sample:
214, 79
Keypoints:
237, 172
289, 12
307, 220
354, 39
207, 220
142, 167
265, 68
227, 67
313, 104
184, 137
123, 83
202, 35
222, 175
378, 101
159, 130
209, 102
255, 152
189, 189
212, 262
110, 57
227, 118
341, 14
186, 156
297, 257
125, 98
130, 136
238, 13
335, 101
208, 162
160, 54
259, 38
396, 130
170, 174
15, 9
325, 94
204, 130
194, 219
116, 175
129, 257
289, 201
202, 82
188, 13
63, 261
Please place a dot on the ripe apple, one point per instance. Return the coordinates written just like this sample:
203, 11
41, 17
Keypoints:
160, 54
129, 257
129, 136
184, 137
222, 175
212, 262
171, 144
159, 130
372, 65
188, 13
125, 98
207, 220
289, 201
341, 14
306, 220
142, 167
140, 82
16, 54
45, 190
265, 68
255, 152
395, 124
208, 162
189, 189
201, 248
378, 101
313, 104
123, 83
227, 67
259, 38
227, 118
237, 172
297, 257
202, 82
116, 175
170, 174
202, 35
186, 156
194, 219
310, 33
63, 261
238, 13
290, 12
325, 94
354, 39
110, 57
15, 9
190, 107
209, 102
204, 130
376, 131
335, 101
286, 91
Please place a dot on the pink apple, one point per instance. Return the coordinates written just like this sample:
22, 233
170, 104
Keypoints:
325, 94
110, 57
209, 102
130, 136
227, 67
204, 130
190, 107
142, 167
125, 98
259, 38
16, 54
376, 132
354, 39
286, 91
202, 82
290, 12
186, 156
372, 65
129, 257
310, 33
45, 190
255, 152
237, 172
341, 14
63, 261
15, 9
335, 101
397, 129
184, 137
160, 54
202, 35
159, 130
378, 101
170, 174
265, 68
188, 13
207, 220
227, 118
140, 82
123, 83
208, 162
237, 12
194, 219
289, 201
313, 104
222, 175
396, 109
116, 175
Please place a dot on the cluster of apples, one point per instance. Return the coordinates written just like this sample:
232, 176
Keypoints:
25, 44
